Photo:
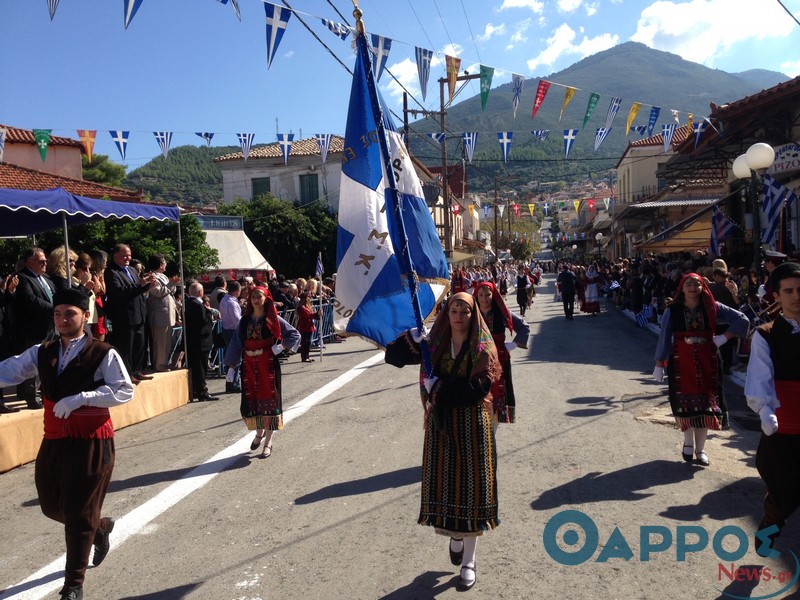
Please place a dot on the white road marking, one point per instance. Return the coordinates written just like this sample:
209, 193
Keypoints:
50, 577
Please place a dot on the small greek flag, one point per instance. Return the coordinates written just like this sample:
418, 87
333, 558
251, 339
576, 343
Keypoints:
424, 57
285, 140
337, 28
121, 140
246, 142
206, 136
164, 139
277, 20
470, 139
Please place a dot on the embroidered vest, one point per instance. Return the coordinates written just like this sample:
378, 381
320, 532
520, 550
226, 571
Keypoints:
784, 348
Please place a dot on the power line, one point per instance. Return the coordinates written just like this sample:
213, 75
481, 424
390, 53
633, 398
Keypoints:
788, 12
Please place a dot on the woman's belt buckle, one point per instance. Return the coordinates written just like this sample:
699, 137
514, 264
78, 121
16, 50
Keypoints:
258, 352
695, 340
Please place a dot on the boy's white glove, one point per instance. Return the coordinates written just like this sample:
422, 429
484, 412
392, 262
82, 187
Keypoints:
418, 336
64, 407
658, 374
719, 339
429, 382
277, 349
769, 421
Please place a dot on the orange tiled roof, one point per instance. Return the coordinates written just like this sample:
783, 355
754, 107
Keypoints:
15, 135
307, 147
20, 178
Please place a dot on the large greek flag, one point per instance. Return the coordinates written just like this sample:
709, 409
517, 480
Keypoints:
373, 296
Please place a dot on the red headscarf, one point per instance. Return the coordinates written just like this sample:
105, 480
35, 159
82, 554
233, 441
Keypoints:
706, 298
497, 301
270, 312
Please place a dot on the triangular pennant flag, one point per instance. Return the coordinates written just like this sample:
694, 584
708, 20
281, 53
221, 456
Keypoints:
504, 137
342, 31
456, 208
593, 99
164, 139
569, 140
486, 84
568, 94
3, 133
668, 131
517, 82
130, 7
324, 142
541, 92
600, 136
52, 5
87, 137
607, 202
675, 116
246, 142
541, 134
613, 109
277, 19
640, 129
285, 140
470, 139
235, 5
699, 128
42, 139
632, 116
424, 57
651, 122
500, 209
515, 208
438, 137
453, 65
531, 208
121, 140
486, 211
380, 53
207, 136
576, 204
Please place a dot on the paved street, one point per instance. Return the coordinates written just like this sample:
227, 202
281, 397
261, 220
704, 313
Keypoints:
332, 513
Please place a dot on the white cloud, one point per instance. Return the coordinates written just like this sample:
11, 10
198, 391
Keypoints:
535, 5
519, 37
792, 69
491, 31
704, 30
562, 43
569, 6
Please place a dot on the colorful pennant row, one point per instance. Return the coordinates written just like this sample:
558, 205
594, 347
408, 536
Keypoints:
164, 139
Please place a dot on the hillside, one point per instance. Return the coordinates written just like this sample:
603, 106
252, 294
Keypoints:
631, 71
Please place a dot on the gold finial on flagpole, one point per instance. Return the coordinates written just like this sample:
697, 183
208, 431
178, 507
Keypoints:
358, 14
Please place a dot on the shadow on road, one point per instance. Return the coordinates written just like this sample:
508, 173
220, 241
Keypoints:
375, 483
176, 593
624, 484
742, 498
424, 587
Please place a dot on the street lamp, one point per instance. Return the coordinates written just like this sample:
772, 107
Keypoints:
758, 157
599, 238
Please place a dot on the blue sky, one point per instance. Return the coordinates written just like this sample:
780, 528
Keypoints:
190, 65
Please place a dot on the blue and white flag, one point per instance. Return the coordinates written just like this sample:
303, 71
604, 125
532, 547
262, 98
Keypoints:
699, 129
546, 208
504, 137
438, 137
613, 109
285, 140
668, 131
130, 7
246, 142
52, 5
651, 122
380, 53
775, 195
517, 83
374, 293
164, 139
121, 140
569, 140
600, 136
235, 5
3, 133
721, 228
319, 270
469, 139
324, 142
640, 129
277, 19
541, 134
337, 29
642, 318
424, 57
207, 136
486, 211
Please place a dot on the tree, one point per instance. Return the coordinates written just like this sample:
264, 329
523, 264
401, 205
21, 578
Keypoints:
102, 170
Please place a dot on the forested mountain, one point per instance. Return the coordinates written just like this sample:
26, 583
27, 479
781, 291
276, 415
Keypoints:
631, 71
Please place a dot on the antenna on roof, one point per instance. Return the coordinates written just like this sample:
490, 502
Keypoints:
277, 128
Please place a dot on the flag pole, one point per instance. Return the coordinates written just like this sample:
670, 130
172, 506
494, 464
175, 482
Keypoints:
401, 245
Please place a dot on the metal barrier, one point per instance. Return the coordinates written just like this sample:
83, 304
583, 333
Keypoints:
325, 329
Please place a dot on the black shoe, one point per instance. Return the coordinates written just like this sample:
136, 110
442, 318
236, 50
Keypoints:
702, 459
232, 388
72, 593
206, 397
687, 457
466, 583
5, 410
455, 557
101, 541
35, 405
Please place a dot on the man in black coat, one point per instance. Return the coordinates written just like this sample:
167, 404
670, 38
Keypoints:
33, 313
126, 308
199, 340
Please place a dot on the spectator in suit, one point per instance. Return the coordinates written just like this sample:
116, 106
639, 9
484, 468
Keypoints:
161, 312
126, 308
33, 313
199, 340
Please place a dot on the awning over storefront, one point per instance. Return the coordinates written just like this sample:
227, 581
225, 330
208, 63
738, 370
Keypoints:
236, 251
690, 234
